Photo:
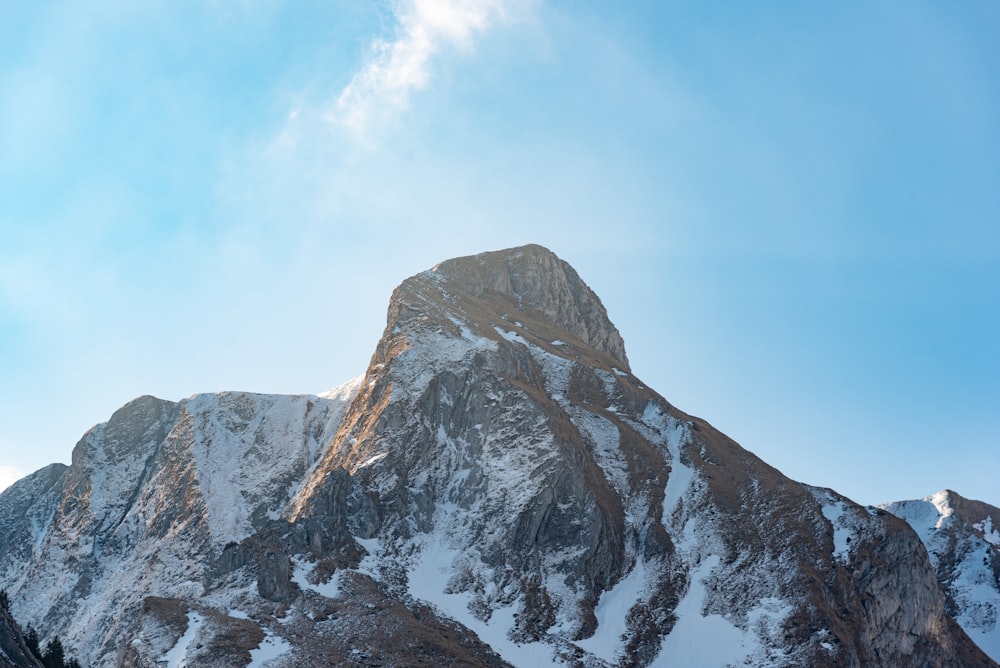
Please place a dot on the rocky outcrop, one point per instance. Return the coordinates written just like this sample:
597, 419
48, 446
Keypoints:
539, 282
962, 537
499, 489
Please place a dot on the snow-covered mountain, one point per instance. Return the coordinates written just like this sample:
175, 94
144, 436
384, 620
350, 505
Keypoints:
963, 539
499, 488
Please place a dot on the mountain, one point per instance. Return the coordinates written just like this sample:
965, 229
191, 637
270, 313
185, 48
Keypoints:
963, 540
498, 489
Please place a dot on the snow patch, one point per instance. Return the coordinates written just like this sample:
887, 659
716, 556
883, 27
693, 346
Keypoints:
371, 460
429, 581
177, 656
270, 648
302, 570
834, 512
702, 641
611, 611
990, 534
513, 337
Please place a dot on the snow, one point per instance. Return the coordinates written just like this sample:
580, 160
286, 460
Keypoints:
702, 641
681, 475
177, 656
429, 353
371, 460
301, 572
244, 445
344, 393
990, 534
369, 563
611, 612
429, 579
270, 648
834, 512
605, 439
972, 584
513, 337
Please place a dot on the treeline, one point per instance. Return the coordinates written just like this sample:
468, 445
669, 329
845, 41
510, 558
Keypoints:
54, 654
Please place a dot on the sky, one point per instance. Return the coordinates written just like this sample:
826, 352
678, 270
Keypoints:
790, 210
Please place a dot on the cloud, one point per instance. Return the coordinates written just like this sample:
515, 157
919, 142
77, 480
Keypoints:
8, 476
399, 66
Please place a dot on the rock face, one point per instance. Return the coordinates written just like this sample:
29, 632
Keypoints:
14, 652
962, 538
498, 489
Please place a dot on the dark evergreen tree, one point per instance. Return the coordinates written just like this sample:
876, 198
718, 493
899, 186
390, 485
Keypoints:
31, 640
4, 600
55, 655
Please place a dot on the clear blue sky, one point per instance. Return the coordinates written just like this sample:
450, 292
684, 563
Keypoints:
791, 210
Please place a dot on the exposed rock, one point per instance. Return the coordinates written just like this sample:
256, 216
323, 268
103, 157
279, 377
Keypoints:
963, 539
498, 489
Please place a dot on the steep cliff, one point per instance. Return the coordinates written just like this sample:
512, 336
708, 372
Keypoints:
962, 538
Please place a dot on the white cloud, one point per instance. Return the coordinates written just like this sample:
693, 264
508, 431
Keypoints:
8, 476
403, 64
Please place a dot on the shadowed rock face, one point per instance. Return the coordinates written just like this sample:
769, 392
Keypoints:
498, 489
14, 652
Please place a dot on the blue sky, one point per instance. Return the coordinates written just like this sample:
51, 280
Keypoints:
790, 210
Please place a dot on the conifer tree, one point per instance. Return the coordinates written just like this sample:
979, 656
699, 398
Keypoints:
55, 655
31, 640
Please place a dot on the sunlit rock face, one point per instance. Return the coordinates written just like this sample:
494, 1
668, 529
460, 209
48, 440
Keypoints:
499, 488
962, 538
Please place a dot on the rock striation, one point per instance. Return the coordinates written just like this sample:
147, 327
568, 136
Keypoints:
497, 489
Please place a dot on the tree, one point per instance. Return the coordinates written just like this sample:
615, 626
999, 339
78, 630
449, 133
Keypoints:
31, 640
55, 655
4, 600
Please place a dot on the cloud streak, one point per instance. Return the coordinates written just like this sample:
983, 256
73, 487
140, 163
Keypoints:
397, 67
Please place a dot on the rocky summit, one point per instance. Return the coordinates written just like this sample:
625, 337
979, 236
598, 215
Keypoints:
962, 538
498, 489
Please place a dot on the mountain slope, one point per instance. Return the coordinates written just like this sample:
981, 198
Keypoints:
14, 652
150, 498
498, 489
963, 540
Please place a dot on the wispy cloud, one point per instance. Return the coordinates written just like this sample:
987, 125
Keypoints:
396, 67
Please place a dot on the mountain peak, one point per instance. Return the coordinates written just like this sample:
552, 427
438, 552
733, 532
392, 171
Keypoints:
530, 280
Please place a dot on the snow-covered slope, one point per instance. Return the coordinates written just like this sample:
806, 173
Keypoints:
498, 489
963, 540
150, 499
